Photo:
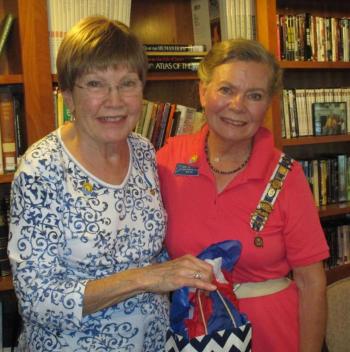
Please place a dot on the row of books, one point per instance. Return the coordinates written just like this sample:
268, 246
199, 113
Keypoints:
62, 15
12, 128
237, 19
306, 37
329, 178
338, 239
160, 120
303, 115
215, 20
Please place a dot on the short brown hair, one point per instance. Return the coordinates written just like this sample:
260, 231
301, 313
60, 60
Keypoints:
97, 42
240, 50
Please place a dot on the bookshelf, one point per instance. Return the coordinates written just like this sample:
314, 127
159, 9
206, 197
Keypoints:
6, 284
306, 74
26, 62
168, 21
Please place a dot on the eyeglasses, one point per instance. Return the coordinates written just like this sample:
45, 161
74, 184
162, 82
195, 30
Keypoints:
100, 89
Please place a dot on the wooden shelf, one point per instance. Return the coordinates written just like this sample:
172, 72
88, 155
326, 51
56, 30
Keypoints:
172, 76
315, 140
11, 79
338, 273
334, 209
311, 65
6, 283
160, 76
6, 178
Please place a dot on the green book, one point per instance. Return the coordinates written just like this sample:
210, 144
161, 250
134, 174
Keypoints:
5, 30
67, 115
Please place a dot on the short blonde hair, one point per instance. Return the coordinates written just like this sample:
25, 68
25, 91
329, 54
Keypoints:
240, 50
97, 42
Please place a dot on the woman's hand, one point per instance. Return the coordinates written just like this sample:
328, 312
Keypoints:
184, 271
158, 278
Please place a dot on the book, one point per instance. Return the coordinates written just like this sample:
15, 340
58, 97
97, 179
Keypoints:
170, 122
175, 47
152, 121
323, 177
216, 22
175, 124
201, 22
182, 109
162, 126
62, 15
148, 117
315, 181
187, 55
174, 58
20, 128
59, 111
342, 174
329, 118
157, 122
141, 120
67, 115
8, 137
5, 30
293, 113
173, 63
173, 66
300, 100
310, 99
188, 123
285, 116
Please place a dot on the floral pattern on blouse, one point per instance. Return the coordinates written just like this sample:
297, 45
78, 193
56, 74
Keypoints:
68, 227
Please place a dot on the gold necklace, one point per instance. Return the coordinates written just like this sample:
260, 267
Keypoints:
221, 172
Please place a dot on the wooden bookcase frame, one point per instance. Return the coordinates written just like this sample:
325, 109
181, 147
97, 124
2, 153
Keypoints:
27, 62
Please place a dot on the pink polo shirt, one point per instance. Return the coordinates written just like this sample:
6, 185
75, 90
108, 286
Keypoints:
198, 216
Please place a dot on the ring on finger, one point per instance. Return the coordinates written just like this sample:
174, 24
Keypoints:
197, 275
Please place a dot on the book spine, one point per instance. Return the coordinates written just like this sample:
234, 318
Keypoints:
162, 126
140, 122
173, 66
8, 137
67, 115
175, 47
59, 107
315, 181
342, 165
5, 30
157, 122
20, 130
201, 22
177, 58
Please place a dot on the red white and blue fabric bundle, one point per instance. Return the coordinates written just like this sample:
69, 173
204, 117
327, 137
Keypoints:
202, 321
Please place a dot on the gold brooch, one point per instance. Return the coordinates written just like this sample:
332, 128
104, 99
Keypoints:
88, 187
193, 159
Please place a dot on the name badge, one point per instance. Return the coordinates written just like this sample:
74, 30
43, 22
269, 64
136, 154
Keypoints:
186, 170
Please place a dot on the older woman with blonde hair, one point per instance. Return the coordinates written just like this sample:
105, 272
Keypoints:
228, 181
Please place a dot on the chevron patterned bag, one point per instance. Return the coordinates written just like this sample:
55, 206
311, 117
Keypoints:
207, 322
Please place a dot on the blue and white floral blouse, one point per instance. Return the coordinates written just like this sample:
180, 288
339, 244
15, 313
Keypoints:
68, 227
